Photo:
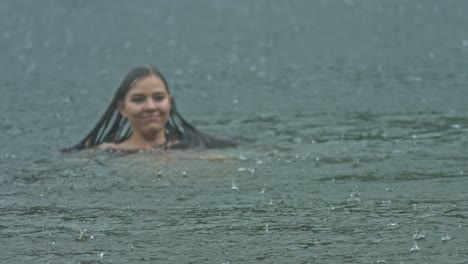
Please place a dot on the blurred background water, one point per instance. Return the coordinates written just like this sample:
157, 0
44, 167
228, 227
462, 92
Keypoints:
352, 118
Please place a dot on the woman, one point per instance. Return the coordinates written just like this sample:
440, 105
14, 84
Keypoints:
142, 116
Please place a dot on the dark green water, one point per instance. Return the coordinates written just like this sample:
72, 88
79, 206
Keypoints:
352, 118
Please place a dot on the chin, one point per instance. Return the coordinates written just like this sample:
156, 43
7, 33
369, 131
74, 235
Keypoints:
153, 129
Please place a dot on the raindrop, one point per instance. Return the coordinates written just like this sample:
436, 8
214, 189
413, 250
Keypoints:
355, 196
419, 235
243, 158
93, 52
149, 50
31, 68
82, 232
262, 190
235, 101
317, 161
101, 255
128, 45
234, 187
21, 57
266, 227
415, 248
388, 202
446, 238
464, 43
68, 36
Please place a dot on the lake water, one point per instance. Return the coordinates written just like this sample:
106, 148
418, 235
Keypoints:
352, 118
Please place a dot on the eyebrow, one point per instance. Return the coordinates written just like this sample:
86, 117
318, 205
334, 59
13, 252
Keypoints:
141, 94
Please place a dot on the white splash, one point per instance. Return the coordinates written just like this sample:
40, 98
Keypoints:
415, 248
419, 235
234, 187
446, 237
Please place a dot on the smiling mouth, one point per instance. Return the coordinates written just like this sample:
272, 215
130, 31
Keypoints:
152, 118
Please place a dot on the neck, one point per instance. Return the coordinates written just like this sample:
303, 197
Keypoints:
140, 141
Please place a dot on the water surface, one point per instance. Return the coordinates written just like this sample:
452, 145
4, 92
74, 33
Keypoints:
351, 115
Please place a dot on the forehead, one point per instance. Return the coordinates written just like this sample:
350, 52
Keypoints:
148, 84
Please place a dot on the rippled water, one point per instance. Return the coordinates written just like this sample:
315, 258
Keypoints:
351, 115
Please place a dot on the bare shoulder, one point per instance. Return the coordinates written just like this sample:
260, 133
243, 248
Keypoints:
105, 146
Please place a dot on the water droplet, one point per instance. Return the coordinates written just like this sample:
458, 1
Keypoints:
415, 248
354, 197
235, 101
234, 187
446, 238
317, 161
464, 43
31, 68
419, 235
101, 255
128, 45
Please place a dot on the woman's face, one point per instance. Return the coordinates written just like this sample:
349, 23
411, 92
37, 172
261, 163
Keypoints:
147, 105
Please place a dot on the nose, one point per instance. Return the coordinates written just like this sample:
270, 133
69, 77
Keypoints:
150, 104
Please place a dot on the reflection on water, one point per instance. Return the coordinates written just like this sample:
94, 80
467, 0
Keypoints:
351, 114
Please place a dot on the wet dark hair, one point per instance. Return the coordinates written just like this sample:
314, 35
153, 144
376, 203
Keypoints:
114, 128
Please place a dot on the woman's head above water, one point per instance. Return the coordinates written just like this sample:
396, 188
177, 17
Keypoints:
143, 115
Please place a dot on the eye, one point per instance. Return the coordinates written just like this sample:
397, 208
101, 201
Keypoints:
137, 99
159, 97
